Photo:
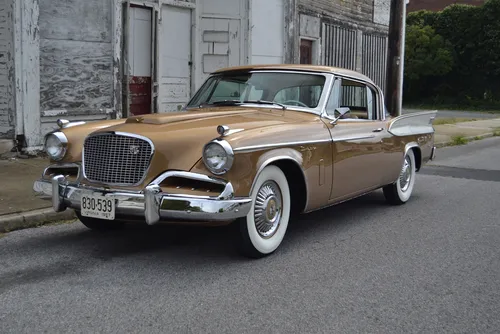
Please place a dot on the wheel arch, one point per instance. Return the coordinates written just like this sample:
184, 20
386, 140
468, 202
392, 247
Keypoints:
417, 152
290, 162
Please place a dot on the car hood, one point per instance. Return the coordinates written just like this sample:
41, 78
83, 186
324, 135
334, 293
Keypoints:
179, 137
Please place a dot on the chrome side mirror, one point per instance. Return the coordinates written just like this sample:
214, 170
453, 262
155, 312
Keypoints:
341, 111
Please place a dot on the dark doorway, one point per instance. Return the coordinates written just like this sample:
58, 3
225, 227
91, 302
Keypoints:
306, 48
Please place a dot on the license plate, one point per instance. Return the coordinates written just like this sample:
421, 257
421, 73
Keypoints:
96, 206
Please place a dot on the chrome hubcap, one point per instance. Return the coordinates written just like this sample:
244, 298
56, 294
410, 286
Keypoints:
405, 176
267, 212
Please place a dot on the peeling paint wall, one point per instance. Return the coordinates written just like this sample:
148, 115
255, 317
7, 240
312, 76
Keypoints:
7, 101
76, 59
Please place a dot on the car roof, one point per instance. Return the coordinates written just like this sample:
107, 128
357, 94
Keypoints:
299, 67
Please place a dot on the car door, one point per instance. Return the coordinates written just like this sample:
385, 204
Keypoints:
358, 137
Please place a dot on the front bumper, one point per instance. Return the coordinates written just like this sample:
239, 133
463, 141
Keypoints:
151, 205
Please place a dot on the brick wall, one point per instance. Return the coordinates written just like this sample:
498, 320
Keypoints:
436, 5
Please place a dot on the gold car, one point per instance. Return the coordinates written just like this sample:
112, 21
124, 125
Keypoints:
254, 146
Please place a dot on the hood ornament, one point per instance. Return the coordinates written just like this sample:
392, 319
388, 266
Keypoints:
223, 130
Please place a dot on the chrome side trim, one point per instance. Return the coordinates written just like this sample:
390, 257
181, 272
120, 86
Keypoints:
276, 145
352, 138
126, 134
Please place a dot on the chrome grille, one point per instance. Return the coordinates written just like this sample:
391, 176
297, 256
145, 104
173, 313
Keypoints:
116, 158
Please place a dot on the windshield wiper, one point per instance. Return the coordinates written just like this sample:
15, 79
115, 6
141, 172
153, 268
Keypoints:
266, 102
237, 102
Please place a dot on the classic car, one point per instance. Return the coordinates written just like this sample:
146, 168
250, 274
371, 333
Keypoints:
255, 146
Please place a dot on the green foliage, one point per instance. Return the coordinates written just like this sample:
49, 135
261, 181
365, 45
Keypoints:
458, 140
470, 36
428, 54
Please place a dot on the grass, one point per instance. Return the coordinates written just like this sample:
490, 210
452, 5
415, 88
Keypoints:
2, 235
458, 140
441, 121
496, 132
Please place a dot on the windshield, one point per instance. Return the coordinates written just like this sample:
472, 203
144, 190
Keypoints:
284, 89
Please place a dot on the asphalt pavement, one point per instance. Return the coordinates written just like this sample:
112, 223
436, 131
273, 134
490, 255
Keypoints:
430, 266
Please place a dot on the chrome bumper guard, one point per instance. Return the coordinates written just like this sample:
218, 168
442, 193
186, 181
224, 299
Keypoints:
433, 153
151, 204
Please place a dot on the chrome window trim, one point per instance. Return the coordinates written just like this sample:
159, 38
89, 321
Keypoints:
119, 133
380, 97
316, 111
247, 149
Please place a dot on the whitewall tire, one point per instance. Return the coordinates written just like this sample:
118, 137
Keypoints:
400, 192
264, 228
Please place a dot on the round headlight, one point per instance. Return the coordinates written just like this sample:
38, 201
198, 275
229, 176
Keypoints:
218, 156
55, 145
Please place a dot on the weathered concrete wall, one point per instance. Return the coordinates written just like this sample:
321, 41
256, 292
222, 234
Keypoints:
353, 33
362, 14
76, 58
7, 101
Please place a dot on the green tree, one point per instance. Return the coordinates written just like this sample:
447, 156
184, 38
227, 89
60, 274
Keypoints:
427, 56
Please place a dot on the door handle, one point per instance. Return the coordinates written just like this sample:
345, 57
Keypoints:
378, 130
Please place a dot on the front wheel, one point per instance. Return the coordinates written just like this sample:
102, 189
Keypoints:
400, 192
100, 224
263, 229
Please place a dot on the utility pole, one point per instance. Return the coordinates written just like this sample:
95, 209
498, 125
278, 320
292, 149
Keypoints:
395, 59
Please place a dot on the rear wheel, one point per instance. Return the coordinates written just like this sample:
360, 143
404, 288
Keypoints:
100, 224
263, 229
400, 192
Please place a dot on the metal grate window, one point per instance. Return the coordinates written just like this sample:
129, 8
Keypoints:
375, 58
340, 46
116, 159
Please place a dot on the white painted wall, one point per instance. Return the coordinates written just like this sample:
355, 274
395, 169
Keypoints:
267, 31
175, 58
139, 46
222, 34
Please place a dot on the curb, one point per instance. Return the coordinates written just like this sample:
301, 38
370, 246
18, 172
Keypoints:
35, 218
469, 139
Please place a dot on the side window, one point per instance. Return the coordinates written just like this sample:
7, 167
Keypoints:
360, 98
